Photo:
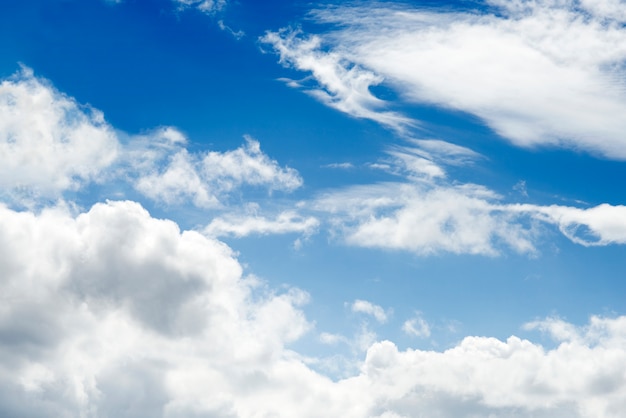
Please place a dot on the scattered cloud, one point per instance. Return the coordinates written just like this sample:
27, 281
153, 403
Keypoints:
363, 306
205, 6
108, 311
50, 144
537, 72
416, 326
342, 166
175, 175
243, 225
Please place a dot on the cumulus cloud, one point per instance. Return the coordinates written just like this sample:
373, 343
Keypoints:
121, 309
126, 315
48, 142
171, 174
537, 72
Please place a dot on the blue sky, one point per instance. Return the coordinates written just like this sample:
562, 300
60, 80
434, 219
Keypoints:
289, 208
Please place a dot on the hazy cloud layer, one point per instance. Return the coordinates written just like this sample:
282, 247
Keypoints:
537, 72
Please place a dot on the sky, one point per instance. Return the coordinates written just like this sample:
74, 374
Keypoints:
301, 209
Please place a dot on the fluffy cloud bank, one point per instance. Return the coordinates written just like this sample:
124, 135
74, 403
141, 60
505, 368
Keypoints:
111, 312
537, 72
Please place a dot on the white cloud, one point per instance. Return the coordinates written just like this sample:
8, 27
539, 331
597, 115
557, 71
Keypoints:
165, 171
600, 225
125, 315
244, 225
248, 165
369, 308
543, 73
416, 326
114, 313
427, 218
342, 86
342, 166
206, 6
48, 142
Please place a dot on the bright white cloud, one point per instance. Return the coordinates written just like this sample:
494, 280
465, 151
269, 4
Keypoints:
600, 225
416, 326
539, 73
363, 306
48, 142
126, 315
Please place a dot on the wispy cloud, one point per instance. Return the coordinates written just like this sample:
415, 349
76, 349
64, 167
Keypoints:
537, 72
427, 218
340, 84
248, 224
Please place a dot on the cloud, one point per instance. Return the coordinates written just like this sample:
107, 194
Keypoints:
341, 85
123, 314
599, 225
427, 218
537, 72
206, 6
48, 142
341, 166
173, 175
121, 309
363, 306
244, 225
416, 327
